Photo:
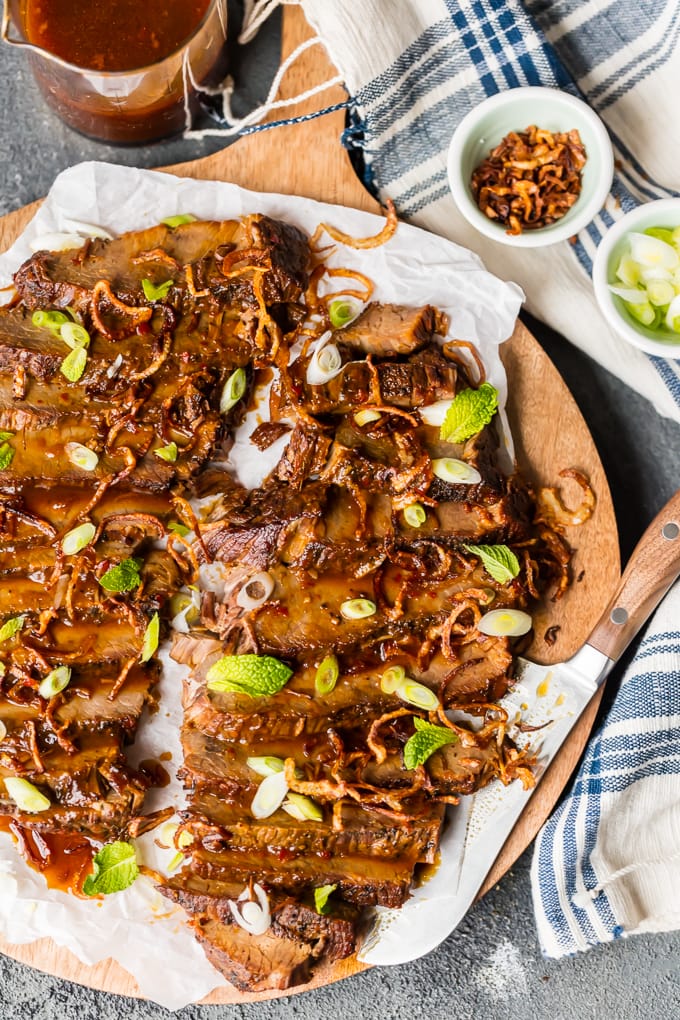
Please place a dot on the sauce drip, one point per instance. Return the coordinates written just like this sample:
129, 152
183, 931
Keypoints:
64, 861
112, 35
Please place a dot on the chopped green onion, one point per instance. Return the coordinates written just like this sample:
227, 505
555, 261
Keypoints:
327, 675
302, 808
5, 436
265, 765
175, 861
11, 627
233, 390
455, 471
660, 292
628, 271
178, 221
415, 515
358, 609
6, 455
270, 795
168, 452
344, 310
156, 291
73, 364
151, 637
3, 730
650, 251
505, 623
417, 695
662, 233
49, 320
74, 335
77, 538
256, 591
392, 678
26, 796
366, 417
81, 456
55, 682
643, 313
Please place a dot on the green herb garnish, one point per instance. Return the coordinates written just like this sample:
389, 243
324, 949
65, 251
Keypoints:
469, 412
321, 898
425, 741
497, 560
6, 455
123, 577
4, 436
151, 636
342, 311
115, 868
49, 320
156, 291
11, 627
255, 675
327, 675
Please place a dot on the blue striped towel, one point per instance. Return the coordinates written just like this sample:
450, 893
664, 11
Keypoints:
607, 864
414, 69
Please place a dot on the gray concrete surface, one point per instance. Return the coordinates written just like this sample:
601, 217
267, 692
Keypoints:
491, 966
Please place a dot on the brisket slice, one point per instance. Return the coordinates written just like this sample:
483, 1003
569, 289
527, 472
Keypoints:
253, 963
388, 331
334, 933
362, 880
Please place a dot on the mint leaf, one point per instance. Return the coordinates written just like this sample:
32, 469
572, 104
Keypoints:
470, 411
6, 455
115, 868
11, 627
123, 577
321, 898
425, 741
255, 675
497, 560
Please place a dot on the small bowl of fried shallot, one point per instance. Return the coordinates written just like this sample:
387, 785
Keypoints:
530, 166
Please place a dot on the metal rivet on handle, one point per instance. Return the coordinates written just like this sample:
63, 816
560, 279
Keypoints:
618, 615
670, 531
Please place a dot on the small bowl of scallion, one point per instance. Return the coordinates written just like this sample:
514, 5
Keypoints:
636, 277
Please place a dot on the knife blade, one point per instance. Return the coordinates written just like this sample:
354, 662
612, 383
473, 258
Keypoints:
555, 694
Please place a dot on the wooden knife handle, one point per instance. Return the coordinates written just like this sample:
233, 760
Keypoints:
650, 572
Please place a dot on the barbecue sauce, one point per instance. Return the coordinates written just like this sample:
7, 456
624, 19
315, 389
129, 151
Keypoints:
118, 35
63, 861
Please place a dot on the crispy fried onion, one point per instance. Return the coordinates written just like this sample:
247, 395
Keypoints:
553, 512
245, 260
104, 298
468, 601
450, 350
531, 179
155, 255
375, 241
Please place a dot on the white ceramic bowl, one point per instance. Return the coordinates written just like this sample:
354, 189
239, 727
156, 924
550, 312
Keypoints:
663, 213
515, 110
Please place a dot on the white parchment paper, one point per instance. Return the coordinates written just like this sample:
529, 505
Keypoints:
138, 928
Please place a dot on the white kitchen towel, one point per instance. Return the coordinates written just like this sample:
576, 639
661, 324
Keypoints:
607, 864
414, 68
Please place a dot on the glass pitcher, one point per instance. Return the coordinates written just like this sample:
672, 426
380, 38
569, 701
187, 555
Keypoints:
127, 107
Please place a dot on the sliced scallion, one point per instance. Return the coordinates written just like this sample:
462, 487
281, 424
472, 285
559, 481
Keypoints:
358, 609
81, 456
74, 364
417, 695
505, 623
327, 675
324, 364
455, 471
270, 795
392, 678
49, 320
55, 682
233, 390
156, 291
151, 637
3, 730
415, 515
168, 452
77, 538
75, 335
366, 416
342, 311
178, 221
303, 808
265, 765
26, 796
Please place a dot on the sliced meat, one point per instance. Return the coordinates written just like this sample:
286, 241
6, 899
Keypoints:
253, 963
390, 330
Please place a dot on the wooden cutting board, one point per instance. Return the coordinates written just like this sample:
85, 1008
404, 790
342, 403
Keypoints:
550, 434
